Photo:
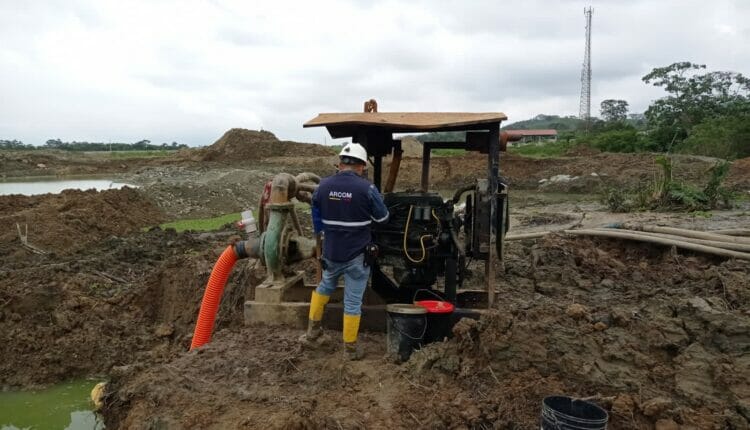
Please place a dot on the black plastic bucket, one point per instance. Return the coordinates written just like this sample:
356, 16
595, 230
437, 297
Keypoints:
405, 330
565, 413
439, 319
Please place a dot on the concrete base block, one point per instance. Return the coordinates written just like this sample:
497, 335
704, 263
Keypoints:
295, 314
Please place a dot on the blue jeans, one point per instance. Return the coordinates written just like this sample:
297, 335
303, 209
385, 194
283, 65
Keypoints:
355, 281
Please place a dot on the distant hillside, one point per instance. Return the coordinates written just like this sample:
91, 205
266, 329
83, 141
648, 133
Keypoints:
539, 122
567, 123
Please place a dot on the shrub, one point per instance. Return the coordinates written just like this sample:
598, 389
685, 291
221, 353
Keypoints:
725, 137
619, 140
667, 194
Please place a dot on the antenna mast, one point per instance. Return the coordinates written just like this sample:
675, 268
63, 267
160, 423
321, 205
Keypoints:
585, 107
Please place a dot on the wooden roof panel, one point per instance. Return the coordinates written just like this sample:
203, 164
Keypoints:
406, 121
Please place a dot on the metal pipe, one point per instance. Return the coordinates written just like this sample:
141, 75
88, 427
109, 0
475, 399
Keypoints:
524, 236
732, 232
661, 241
426, 151
377, 171
272, 257
457, 195
493, 172
686, 233
283, 188
506, 137
295, 222
304, 197
310, 188
715, 243
454, 239
390, 183
301, 248
307, 177
248, 248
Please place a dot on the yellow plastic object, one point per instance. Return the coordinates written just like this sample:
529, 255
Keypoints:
97, 395
351, 328
317, 305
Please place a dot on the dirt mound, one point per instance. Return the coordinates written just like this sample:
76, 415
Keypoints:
411, 147
120, 302
239, 144
648, 334
585, 173
73, 219
582, 151
739, 174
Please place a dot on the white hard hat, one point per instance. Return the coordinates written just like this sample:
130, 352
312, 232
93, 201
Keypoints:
354, 150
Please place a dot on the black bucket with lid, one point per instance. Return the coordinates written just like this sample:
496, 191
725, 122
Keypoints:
405, 330
565, 413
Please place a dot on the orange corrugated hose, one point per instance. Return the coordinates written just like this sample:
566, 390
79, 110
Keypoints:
212, 296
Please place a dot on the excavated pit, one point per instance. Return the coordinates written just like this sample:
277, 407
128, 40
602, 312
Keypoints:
648, 334
658, 338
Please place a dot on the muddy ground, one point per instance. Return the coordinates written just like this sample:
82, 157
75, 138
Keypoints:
649, 334
661, 339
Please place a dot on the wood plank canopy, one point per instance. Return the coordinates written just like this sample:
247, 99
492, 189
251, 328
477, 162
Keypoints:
347, 124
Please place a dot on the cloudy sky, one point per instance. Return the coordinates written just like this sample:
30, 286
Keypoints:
187, 71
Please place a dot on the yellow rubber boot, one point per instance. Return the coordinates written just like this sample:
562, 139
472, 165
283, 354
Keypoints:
315, 324
351, 329
317, 305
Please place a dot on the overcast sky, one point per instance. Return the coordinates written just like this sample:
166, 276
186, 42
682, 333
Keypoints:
187, 71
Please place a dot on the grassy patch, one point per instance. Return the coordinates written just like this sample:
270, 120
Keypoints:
666, 194
448, 152
125, 155
543, 149
202, 224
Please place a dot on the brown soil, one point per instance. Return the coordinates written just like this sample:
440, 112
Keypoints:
545, 218
119, 302
591, 171
241, 145
739, 174
650, 334
51, 163
69, 221
660, 336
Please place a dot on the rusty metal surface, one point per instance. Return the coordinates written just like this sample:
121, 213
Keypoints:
415, 121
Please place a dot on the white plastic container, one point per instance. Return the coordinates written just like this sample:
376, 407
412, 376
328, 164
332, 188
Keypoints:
248, 222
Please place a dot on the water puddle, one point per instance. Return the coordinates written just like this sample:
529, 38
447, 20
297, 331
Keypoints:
30, 188
63, 406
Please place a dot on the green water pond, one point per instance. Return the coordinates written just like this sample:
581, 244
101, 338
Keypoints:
63, 406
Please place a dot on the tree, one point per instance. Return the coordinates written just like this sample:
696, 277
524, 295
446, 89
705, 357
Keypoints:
693, 97
14, 144
725, 137
53, 143
614, 110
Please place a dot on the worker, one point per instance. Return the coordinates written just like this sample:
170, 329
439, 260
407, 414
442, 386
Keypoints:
343, 208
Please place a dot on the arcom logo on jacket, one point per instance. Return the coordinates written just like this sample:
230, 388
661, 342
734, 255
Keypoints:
340, 195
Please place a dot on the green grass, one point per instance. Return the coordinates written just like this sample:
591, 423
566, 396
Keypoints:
448, 152
542, 150
127, 155
202, 224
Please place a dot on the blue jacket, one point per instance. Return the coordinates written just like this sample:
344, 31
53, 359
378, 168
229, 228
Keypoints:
343, 207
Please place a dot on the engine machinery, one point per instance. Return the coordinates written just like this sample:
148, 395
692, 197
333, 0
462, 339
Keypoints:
425, 245
428, 240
